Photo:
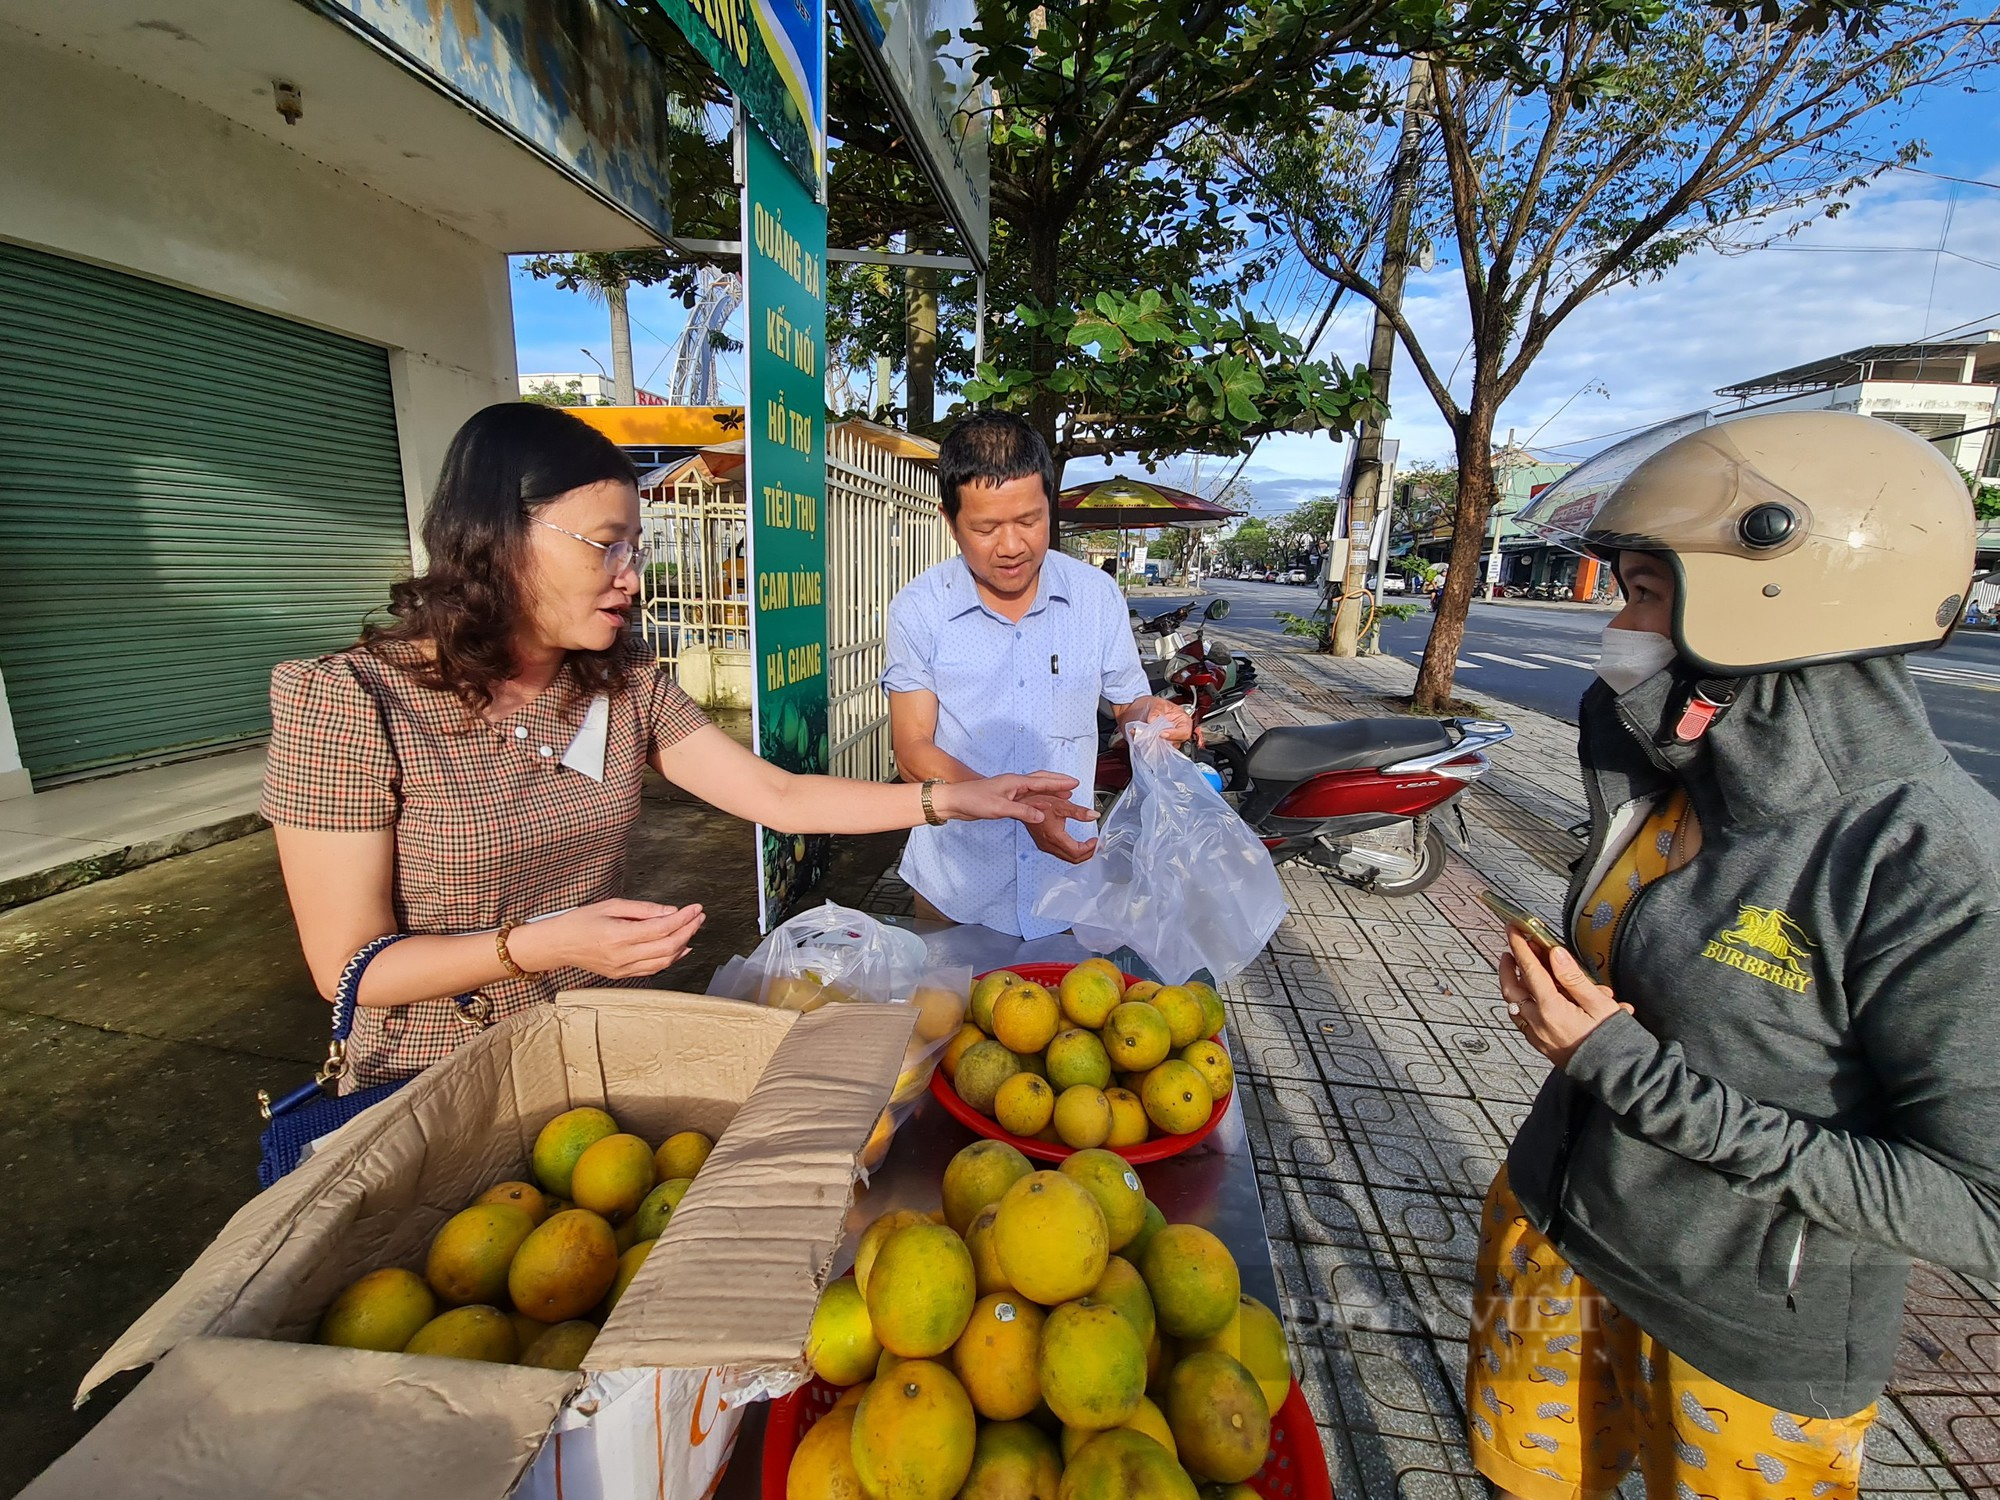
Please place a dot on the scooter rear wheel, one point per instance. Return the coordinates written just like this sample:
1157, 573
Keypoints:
1429, 865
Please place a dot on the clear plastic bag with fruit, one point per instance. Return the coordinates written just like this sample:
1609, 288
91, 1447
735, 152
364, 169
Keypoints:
1178, 877
833, 955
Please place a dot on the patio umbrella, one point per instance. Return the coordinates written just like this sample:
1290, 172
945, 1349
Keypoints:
1121, 504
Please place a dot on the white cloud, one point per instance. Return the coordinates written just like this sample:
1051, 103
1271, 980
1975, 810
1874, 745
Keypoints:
1663, 348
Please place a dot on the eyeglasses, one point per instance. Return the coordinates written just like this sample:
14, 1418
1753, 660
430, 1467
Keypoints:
618, 556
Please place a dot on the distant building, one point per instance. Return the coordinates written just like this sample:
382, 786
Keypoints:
1937, 390
1526, 561
1947, 390
578, 388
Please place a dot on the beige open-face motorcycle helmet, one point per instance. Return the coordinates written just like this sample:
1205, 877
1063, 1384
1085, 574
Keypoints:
1798, 537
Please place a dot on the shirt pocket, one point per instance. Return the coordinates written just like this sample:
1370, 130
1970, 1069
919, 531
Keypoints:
1073, 704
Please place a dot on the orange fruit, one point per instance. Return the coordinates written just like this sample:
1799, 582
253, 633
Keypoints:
1193, 1281
981, 1174
470, 1254
613, 1176
482, 1333
563, 1140
1050, 1238
1083, 1116
996, 1357
382, 1311
1024, 1105
1183, 1012
1025, 1017
1090, 993
914, 1433
525, 1196
1177, 1098
1129, 1125
920, 1291
1137, 1037
1112, 1182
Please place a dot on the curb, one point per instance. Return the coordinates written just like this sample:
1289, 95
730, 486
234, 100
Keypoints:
23, 889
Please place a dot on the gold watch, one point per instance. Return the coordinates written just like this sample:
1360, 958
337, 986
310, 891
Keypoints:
930, 809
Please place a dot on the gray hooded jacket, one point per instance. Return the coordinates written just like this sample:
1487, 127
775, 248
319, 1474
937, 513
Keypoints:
1808, 1096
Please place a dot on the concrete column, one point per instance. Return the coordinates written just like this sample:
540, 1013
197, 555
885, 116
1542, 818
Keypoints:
13, 775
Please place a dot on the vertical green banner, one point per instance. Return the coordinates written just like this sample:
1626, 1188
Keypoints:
784, 279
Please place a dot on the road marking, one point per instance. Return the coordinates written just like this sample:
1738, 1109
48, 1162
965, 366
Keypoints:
1567, 661
1464, 665
1509, 661
1954, 674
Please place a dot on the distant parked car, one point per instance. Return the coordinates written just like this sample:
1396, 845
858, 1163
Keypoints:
1393, 583
1297, 575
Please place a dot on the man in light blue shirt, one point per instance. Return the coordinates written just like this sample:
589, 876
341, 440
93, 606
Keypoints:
997, 659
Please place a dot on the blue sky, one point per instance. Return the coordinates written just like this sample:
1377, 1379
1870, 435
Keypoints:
1872, 275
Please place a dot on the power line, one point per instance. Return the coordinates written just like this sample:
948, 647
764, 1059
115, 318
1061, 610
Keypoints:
1884, 250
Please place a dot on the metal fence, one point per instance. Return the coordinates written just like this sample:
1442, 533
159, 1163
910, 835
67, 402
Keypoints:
694, 602
883, 528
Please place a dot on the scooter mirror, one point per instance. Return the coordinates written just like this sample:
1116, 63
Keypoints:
1218, 609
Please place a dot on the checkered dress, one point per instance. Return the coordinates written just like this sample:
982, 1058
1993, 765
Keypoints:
490, 826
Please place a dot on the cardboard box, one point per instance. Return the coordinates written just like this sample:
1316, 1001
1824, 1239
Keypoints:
721, 1307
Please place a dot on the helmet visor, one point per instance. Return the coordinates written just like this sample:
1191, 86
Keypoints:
1680, 487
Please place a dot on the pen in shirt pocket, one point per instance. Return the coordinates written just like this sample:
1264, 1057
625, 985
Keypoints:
1055, 665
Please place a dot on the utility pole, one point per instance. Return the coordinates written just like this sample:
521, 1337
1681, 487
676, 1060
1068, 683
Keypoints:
1367, 491
1511, 460
623, 390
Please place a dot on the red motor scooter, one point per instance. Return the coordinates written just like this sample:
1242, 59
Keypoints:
1356, 798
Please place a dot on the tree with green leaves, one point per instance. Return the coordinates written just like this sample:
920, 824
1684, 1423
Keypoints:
1119, 259
568, 393
1630, 151
1251, 544
1425, 494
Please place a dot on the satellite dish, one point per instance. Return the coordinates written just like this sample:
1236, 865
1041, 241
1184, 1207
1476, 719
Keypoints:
1427, 257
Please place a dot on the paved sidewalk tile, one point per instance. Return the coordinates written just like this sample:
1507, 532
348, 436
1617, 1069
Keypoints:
1382, 1083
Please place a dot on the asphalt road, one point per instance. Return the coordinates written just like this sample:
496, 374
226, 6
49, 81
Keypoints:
1541, 658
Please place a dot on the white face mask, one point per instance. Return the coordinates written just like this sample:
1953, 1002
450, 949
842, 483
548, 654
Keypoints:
1629, 657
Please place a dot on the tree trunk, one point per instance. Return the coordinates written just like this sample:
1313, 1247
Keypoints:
920, 342
1045, 408
623, 390
1468, 554
1343, 635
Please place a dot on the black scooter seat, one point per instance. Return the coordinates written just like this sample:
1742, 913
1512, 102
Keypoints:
1291, 753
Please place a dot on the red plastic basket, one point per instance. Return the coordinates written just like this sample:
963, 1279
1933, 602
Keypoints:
1159, 1148
1296, 1469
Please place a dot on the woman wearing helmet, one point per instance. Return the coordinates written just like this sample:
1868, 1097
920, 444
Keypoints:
1777, 1057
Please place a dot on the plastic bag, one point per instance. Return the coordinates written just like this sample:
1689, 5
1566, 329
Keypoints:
1178, 877
835, 955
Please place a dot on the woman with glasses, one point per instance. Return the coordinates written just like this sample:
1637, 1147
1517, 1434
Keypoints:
464, 779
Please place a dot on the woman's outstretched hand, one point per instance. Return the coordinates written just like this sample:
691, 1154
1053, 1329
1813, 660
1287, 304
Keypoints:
1030, 799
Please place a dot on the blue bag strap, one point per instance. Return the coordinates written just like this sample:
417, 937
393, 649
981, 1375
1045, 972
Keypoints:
346, 999
472, 1007
347, 991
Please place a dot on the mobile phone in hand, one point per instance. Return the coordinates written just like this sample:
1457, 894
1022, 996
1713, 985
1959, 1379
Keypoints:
1520, 918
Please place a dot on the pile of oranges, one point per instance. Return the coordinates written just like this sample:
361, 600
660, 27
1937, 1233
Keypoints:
1048, 1334
1094, 1062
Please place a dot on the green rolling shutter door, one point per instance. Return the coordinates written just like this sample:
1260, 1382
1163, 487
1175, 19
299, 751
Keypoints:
189, 493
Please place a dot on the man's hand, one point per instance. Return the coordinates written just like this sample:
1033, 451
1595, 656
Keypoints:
1554, 1003
1052, 835
1153, 709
